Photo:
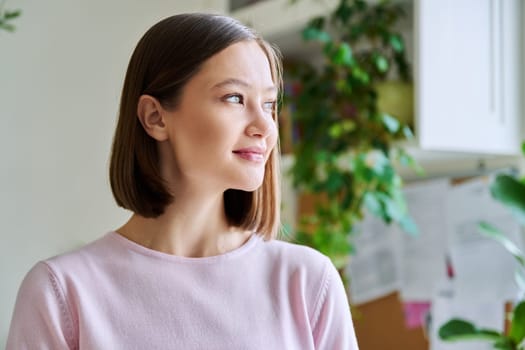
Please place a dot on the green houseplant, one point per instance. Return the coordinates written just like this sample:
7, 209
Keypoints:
7, 16
347, 147
510, 191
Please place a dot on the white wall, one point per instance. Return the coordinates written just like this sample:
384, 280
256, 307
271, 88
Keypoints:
60, 78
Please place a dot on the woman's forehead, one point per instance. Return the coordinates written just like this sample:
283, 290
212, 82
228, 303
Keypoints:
244, 63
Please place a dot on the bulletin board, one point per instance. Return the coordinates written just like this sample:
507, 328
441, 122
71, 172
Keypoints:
380, 324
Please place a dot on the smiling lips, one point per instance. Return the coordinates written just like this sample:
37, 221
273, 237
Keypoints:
254, 154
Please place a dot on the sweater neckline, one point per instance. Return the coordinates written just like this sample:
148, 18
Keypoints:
135, 247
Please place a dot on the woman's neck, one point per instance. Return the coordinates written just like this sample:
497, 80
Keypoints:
189, 227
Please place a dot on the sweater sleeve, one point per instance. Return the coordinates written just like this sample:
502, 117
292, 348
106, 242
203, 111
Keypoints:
333, 328
41, 318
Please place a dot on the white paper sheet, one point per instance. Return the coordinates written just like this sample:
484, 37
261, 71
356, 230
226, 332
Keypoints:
423, 257
388, 260
483, 268
484, 314
373, 271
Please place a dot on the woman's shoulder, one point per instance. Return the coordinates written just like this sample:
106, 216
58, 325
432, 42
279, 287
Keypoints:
76, 260
296, 257
289, 248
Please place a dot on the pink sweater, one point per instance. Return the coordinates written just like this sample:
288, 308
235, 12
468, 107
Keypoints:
115, 294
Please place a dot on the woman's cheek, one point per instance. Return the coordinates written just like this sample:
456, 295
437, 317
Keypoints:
272, 138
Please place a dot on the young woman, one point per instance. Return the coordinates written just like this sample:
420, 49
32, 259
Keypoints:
196, 266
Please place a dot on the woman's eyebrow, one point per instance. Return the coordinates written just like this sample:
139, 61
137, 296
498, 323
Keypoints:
239, 82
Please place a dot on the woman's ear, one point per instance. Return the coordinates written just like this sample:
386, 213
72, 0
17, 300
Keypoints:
151, 116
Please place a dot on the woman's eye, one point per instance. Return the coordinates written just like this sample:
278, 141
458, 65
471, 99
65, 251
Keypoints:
269, 105
235, 98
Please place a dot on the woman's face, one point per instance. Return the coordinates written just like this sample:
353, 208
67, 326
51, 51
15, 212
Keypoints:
222, 131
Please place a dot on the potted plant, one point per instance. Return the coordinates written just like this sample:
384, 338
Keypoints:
347, 146
511, 192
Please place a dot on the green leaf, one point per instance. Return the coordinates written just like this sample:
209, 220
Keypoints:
409, 135
391, 123
504, 344
378, 162
338, 129
373, 204
381, 63
458, 329
492, 232
343, 55
407, 160
360, 75
519, 277
7, 26
311, 33
349, 125
511, 193
361, 5
517, 329
343, 12
523, 147
396, 43
393, 209
334, 182
342, 85
321, 156
335, 130
317, 22
12, 14
408, 225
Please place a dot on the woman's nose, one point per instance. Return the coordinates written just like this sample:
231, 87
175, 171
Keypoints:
261, 125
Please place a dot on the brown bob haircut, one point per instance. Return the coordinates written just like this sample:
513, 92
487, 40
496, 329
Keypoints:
168, 55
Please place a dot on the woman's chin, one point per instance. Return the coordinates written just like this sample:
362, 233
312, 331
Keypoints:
249, 186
